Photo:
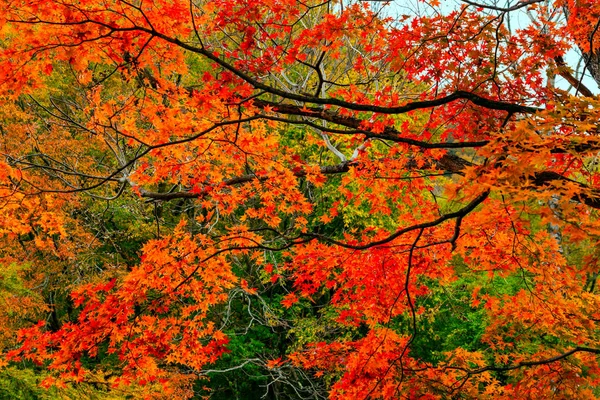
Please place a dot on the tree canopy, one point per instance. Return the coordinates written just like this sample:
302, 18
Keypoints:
299, 199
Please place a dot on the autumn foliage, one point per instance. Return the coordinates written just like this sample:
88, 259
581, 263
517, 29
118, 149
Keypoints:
300, 199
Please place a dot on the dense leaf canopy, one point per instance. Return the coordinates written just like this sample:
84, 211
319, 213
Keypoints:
299, 199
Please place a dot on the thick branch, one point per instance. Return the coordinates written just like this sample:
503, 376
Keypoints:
563, 71
534, 363
390, 133
411, 106
327, 170
457, 214
519, 5
449, 163
592, 199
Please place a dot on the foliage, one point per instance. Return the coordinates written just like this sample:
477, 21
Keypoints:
285, 199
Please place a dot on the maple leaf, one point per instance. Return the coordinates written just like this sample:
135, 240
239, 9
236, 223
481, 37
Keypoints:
269, 109
271, 364
244, 285
306, 110
289, 300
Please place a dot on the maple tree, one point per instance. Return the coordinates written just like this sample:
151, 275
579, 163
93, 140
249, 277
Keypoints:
337, 199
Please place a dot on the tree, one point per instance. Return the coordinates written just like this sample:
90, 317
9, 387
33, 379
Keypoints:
311, 199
